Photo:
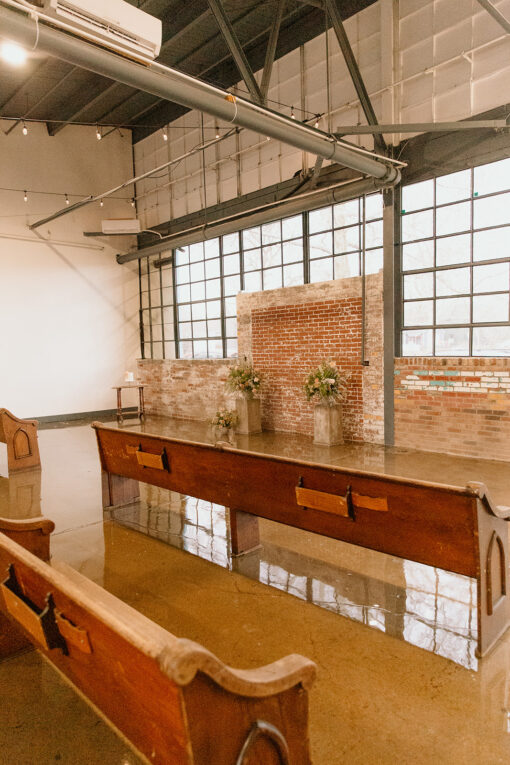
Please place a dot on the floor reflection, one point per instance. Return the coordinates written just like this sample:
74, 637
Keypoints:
430, 608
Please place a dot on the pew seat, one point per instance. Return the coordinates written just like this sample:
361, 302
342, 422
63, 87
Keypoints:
174, 701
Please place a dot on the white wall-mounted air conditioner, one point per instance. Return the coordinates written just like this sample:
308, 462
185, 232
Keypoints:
120, 226
113, 22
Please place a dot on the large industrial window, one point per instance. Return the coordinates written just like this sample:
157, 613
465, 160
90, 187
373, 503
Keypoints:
198, 292
456, 264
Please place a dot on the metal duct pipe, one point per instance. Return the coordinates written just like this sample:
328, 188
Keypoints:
263, 214
172, 85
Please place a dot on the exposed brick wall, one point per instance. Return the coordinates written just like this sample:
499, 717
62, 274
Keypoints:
455, 405
188, 389
287, 332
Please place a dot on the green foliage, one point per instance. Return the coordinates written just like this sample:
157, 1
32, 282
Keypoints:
326, 384
224, 418
243, 378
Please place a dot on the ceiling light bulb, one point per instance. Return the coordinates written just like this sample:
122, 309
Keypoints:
13, 54
25, 197
101, 203
217, 132
267, 138
67, 200
292, 115
133, 202
24, 129
98, 134
317, 121
165, 136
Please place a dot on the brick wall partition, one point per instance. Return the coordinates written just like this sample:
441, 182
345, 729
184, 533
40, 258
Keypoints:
454, 405
287, 332
188, 389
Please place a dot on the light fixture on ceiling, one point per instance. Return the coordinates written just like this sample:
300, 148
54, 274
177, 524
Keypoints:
24, 129
67, 200
101, 203
292, 115
317, 118
98, 133
13, 54
133, 202
217, 132
165, 135
25, 196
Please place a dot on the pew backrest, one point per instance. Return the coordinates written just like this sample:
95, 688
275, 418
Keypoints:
21, 439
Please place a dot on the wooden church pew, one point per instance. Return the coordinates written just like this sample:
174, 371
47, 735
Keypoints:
21, 439
173, 700
454, 528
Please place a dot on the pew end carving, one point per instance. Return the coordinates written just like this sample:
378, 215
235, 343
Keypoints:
21, 439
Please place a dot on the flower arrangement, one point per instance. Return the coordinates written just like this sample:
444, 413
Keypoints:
326, 384
243, 378
224, 419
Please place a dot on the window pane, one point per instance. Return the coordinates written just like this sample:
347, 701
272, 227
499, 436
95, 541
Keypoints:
293, 275
215, 349
183, 294
157, 350
374, 234
213, 309
417, 196
184, 312
198, 311
453, 218
492, 211
185, 330
487, 308
417, 342
347, 239
320, 220
373, 261
272, 255
181, 256
182, 275
418, 255
321, 270
271, 232
200, 349
417, 226
491, 278
293, 251
199, 329
231, 264
453, 281
197, 271
231, 327
347, 265
145, 299
453, 187
185, 350
346, 213
230, 304
453, 249
214, 328
155, 298
418, 286
419, 313
166, 277
252, 260
157, 332
492, 244
491, 341
196, 252
144, 283
198, 291
452, 342
212, 248
212, 268
251, 238
321, 245
232, 285
230, 243
492, 177
253, 281
272, 278
292, 227
231, 348
373, 206
452, 311
213, 288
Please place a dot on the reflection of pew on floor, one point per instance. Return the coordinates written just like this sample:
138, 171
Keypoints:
20, 494
21, 439
173, 700
458, 529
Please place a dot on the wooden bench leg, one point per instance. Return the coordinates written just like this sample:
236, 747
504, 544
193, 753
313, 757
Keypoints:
118, 490
493, 582
244, 532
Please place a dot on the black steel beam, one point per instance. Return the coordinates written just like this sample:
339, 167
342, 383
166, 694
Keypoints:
271, 50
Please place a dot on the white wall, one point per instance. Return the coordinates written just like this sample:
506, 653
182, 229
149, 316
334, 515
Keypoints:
421, 60
68, 314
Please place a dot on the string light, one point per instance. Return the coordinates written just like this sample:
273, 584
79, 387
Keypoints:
101, 203
217, 132
292, 115
67, 200
165, 135
25, 197
24, 130
98, 133
317, 118
133, 202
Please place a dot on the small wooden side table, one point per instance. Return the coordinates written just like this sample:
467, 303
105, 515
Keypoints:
141, 405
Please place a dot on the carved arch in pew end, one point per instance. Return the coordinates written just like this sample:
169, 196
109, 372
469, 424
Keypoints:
21, 439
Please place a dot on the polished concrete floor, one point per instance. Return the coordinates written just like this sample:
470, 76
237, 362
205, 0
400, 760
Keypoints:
397, 679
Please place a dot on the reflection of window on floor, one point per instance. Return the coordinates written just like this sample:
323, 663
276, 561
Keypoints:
441, 614
205, 530
283, 580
